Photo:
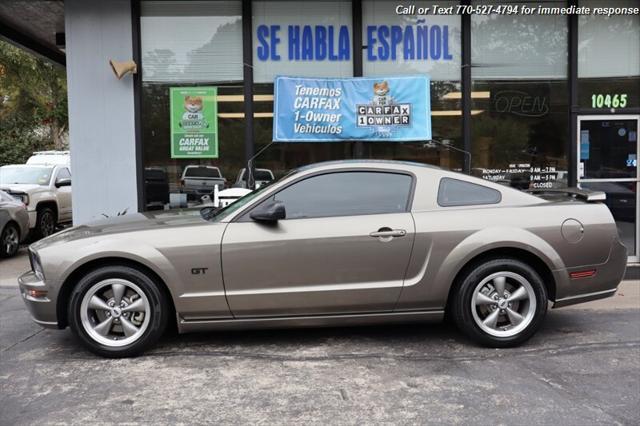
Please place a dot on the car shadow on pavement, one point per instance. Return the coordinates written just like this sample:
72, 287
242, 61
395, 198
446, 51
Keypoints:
381, 334
563, 330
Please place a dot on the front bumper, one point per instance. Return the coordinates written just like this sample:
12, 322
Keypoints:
33, 218
24, 222
41, 308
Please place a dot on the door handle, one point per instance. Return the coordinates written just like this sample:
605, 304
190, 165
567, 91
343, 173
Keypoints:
388, 233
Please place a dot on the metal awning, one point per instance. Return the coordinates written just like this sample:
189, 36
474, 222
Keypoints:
35, 25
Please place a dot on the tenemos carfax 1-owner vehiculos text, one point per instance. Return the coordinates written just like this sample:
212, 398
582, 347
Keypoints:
370, 109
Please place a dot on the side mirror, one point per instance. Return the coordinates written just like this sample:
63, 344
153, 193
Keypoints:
63, 182
272, 211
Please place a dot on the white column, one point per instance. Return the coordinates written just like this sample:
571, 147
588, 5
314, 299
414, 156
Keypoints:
101, 109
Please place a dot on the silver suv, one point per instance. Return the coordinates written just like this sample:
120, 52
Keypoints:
44, 189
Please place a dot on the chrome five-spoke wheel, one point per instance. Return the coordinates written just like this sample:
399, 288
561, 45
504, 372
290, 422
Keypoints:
500, 302
503, 304
115, 312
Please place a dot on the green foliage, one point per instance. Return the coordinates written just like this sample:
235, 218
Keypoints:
18, 140
33, 105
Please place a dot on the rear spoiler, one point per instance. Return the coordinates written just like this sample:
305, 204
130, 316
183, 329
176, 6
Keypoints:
582, 194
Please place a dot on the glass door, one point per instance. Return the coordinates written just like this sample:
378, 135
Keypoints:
608, 161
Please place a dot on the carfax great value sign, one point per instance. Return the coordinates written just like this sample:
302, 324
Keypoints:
369, 109
194, 122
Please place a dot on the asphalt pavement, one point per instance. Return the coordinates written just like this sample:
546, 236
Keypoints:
582, 368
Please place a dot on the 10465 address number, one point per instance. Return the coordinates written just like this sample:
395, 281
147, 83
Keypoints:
599, 100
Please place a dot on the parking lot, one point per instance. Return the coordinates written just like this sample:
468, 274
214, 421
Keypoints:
582, 368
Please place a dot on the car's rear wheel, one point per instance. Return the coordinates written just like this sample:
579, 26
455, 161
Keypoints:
9, 240
500, 302
118, 311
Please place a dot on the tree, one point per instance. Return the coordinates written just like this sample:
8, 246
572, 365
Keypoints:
33, 105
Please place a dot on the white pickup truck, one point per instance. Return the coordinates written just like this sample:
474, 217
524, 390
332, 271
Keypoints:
44, 189
198, 181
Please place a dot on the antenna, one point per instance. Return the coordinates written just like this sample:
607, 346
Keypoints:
251, 183
431, 142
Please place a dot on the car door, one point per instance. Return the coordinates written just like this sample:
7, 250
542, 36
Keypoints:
63, 195
343, 247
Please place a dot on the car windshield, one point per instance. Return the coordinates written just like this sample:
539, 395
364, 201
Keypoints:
10, 175
216, 215
202, 172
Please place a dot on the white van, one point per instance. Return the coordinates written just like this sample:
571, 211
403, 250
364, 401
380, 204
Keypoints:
50, 158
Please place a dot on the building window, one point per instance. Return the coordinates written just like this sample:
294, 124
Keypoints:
310, 38
520, 125
609, 58
396, 44
189, 44
191, 41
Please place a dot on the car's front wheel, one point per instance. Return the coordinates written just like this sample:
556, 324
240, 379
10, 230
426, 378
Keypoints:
118, 311
500, 302
9, 240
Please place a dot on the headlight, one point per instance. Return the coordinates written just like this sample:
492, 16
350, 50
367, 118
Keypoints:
36, 266
24, 198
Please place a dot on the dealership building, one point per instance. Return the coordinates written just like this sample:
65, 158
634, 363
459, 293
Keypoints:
536, 101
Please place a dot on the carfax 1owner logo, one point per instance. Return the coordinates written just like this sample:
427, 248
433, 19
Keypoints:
194, 122
370, 109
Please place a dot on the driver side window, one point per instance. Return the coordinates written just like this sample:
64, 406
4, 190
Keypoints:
347, 194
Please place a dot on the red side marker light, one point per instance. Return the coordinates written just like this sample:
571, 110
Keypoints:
582, 274
37, 293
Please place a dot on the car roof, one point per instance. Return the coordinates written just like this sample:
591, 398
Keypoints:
361, 163
417, 168
33, 165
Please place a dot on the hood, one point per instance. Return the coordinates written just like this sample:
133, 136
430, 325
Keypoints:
125, 224
21, 187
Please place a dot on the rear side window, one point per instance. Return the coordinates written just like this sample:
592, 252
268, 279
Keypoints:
347, 194
204, 172
454, 192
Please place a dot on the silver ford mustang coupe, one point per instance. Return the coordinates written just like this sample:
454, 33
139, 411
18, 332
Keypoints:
340, 243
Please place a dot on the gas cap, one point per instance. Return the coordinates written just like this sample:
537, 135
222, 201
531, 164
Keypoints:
572, 231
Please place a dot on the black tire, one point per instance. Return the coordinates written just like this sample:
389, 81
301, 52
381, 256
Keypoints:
45, 222
159, 310
461, 305
9, 240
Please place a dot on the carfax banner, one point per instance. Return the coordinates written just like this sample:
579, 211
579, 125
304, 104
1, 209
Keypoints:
346, 109
194, 122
